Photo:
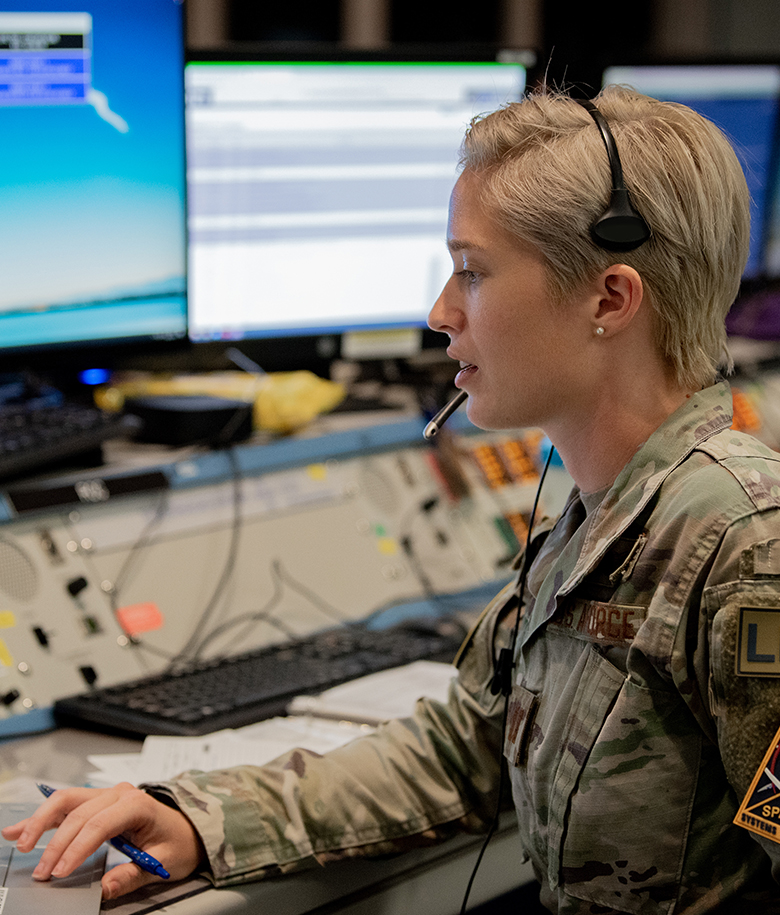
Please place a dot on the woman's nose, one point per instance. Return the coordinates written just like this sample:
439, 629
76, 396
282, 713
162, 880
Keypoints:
443, 316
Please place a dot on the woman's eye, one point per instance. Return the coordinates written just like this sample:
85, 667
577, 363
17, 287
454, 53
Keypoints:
468, 276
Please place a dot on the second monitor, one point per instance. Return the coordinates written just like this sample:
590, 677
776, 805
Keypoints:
318, 190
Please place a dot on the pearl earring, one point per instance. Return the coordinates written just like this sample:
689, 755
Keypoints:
599, 331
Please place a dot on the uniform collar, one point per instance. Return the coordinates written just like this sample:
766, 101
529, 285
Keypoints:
701, 416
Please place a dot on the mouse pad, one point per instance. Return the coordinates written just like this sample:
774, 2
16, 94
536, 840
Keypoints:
78, 894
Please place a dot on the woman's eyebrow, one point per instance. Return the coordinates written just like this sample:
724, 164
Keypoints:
457, 244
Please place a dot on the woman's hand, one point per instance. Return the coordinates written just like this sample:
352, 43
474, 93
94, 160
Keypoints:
85, 818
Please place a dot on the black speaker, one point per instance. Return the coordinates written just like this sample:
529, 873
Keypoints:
191, 419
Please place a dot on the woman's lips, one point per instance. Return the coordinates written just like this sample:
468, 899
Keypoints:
466, 370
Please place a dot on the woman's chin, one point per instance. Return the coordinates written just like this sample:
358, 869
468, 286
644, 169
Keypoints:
480, 416
485, 416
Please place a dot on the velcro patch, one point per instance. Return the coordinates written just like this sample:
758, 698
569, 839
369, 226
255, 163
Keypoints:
610, 624
758, 642
761, 559
760, 810
520, 713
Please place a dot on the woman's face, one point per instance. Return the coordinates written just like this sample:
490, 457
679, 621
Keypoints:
521, 355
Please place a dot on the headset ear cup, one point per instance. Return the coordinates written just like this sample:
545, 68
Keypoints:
620, 228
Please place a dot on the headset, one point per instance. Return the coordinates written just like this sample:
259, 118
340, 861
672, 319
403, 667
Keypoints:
620, 227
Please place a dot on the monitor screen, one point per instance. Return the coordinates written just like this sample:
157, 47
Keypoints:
318, 190
742, 99
92, 176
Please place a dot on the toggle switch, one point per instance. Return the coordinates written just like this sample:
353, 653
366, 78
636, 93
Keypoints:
76, 585
89, 674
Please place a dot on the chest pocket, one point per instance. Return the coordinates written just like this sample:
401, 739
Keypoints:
621, 750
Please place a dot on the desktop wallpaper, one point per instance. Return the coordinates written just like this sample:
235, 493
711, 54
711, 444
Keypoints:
92, 174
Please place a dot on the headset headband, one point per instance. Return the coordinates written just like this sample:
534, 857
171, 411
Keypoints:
620, 227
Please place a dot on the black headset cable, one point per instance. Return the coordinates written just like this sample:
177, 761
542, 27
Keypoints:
502, 681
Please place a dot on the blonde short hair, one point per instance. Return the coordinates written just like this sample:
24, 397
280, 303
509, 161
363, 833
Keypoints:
547, 179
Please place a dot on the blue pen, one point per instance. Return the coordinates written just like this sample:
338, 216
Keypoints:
145, 862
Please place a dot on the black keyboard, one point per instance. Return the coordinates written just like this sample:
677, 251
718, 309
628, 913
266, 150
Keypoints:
242, 689
35, 436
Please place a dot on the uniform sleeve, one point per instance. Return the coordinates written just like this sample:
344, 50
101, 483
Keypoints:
743, 609
412, 782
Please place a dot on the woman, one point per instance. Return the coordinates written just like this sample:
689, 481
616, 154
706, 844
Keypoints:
634, 723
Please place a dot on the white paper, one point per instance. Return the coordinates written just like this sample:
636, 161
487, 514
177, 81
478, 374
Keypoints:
381, 696
163, 758
112, 768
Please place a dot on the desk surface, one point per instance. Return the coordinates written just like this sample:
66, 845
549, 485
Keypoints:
429, 881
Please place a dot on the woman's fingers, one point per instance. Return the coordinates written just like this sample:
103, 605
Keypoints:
86, 818
49, 815
124, 878
12, 833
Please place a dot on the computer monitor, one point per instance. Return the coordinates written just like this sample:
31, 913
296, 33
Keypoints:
92, 175
742, 99
318, 188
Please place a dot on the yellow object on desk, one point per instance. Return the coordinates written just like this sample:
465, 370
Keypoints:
283, 401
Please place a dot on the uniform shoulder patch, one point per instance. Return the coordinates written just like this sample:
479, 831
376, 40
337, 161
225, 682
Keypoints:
760, 809
758, 642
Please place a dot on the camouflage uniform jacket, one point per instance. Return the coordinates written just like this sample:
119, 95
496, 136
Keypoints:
630, 738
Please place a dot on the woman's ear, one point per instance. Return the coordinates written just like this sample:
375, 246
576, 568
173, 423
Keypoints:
619, 293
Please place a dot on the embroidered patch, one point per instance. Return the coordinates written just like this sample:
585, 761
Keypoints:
611, 624
760, 810
760, 560
522, 706
758, 642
